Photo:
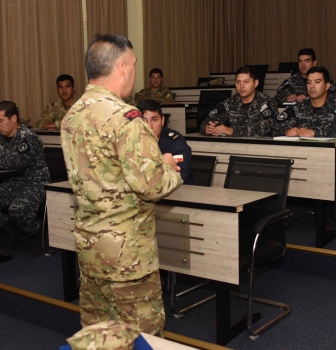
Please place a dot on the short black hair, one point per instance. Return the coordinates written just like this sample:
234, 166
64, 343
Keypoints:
323, 70
156, 70
247, 70
10, 108
63, 77
103, 53
149, 105
307, 52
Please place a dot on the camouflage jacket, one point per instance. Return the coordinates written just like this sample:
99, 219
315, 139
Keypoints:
256, 120
322, 120
24, 151
54, 112
297, 85
161, 95
116, 171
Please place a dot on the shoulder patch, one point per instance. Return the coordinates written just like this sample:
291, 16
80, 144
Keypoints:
23, 147
172, 135
131, 115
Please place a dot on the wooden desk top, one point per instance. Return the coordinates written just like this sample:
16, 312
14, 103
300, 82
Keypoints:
259, 140
198, 197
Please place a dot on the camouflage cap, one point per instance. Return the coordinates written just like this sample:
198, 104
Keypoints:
105, 335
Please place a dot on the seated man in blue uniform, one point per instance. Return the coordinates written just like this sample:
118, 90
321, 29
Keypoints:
170, 141
315, 116
249, 113
21, 196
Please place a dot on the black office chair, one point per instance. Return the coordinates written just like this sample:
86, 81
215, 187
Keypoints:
166, 119
208, 100
57, 169
261, 79
261, 230
259, 68
288, 67
203, 169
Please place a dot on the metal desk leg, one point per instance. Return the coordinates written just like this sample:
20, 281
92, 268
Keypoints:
70, 288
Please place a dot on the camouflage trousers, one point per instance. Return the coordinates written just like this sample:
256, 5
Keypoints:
138, 302
21, 203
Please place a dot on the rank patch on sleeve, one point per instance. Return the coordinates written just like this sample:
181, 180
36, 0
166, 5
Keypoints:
131, 115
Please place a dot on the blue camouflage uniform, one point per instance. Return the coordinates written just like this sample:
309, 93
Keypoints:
173, 142
23, 195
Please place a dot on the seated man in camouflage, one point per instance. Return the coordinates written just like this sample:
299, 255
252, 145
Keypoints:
23, 195
315, 115
55, 112
247, 113
155, 91
170, 141
294, 89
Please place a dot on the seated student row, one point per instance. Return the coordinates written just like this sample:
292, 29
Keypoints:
250, 113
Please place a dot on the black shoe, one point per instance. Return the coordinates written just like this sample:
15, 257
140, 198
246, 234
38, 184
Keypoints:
12, 238
35, 248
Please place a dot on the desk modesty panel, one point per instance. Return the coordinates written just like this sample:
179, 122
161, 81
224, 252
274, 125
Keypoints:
313, 171
213, 219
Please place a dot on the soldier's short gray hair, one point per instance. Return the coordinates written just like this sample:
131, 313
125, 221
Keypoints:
103, 53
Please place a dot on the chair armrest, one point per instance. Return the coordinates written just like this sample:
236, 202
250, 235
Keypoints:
270, 219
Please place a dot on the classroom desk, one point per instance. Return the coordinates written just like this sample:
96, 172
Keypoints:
214, 246
312, 175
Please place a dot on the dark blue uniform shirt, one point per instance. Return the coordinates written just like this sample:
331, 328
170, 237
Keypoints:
173, 142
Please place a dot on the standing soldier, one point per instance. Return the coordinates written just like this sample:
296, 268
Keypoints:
248, 113
117, 172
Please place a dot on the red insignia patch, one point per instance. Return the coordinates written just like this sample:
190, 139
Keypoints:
134, 113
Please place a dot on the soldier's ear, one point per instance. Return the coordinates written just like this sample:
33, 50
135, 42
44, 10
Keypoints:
328, 86
14, 118
256, 83
314, 63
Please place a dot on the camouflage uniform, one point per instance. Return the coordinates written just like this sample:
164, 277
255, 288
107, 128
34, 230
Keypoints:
297, 85
173, 142
117, 172
105, 336
54, 112
255, 120
161, 95
23, 195
304, 115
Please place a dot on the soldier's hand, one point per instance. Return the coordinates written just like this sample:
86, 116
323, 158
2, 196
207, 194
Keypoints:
292, 98
292, 132
300, 98
222, 129
210, 128
306, 132
170, 160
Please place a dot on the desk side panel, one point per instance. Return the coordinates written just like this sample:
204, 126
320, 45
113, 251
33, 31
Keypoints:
214, 241
313, 172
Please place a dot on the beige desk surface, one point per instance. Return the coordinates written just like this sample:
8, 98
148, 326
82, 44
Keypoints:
219, 199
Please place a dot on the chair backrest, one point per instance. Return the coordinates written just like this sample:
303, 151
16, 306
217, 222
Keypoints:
260, 174
261, 79
259, 68
55, 161
288, 67
203, 168
166, 119
208, 100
